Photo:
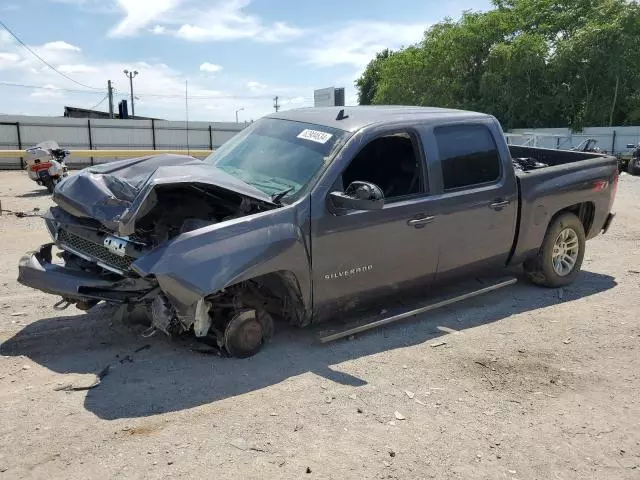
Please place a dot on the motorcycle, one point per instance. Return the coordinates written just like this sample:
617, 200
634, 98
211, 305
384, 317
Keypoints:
633, 167
46, 164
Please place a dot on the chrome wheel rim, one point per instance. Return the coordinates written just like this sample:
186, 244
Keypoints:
565, 252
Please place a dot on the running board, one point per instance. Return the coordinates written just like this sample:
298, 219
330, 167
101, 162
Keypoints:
327, 337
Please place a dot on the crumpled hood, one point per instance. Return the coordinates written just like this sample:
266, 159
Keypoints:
116, 192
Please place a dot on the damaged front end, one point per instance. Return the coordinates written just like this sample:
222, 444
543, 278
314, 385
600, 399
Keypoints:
117, 227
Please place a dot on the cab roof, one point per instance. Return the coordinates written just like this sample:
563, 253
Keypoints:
358, 117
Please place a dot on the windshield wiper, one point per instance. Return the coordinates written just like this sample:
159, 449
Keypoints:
277, 197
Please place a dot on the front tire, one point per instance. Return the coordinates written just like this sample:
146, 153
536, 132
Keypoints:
246, 333
633, 167
560, 257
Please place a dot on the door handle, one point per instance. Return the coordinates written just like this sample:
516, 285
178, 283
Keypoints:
499, 204
420, 222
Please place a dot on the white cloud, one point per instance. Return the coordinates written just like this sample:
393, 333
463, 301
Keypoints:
357, 43
139, 14
47, 91
295, 100
210, 67
255, 86
77, 68
60, 46
279, 32
160, 88
200, 21
8, 59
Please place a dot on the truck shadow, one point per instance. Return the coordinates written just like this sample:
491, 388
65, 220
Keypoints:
156, 375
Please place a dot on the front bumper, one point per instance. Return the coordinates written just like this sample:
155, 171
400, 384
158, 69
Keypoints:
607, 222
36, 271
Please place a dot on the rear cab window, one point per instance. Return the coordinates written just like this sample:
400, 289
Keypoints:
468, 156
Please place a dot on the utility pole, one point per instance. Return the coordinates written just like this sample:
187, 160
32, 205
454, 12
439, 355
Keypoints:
130, 75
110, 93
239, 110
275, 104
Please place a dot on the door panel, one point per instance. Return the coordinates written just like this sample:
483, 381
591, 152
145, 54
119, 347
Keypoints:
475, 232
364, 257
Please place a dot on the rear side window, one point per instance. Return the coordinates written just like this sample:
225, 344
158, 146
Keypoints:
468, 156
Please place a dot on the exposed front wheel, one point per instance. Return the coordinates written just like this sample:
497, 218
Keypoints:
560, 256
245, 333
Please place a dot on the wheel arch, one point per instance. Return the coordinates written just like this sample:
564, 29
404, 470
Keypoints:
284, 290
585, 212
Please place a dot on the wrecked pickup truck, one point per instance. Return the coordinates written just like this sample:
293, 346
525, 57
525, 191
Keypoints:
313, 214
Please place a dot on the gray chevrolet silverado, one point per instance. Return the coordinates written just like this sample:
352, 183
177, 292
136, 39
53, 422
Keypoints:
313, 214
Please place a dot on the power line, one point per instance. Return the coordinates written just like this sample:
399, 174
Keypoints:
98, 104
151, 95
43, 87
3, 25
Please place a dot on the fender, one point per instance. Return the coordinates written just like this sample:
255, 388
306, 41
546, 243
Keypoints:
199, 263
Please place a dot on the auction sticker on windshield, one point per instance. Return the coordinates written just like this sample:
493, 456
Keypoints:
315, 136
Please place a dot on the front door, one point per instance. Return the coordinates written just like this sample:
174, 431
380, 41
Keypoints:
367, 258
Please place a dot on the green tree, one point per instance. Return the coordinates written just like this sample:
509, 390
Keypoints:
530, 63
368, 82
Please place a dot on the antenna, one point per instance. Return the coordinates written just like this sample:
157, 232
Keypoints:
341, 115
186, 107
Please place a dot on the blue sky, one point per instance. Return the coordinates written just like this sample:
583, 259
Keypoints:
234, 53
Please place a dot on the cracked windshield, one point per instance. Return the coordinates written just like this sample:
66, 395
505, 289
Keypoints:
278, 157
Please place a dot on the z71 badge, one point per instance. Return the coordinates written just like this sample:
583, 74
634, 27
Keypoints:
348, 273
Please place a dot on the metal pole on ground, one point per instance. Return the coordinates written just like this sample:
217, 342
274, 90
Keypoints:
20, 144
90, 139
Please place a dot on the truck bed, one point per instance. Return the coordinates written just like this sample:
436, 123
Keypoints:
546, 157
553, 180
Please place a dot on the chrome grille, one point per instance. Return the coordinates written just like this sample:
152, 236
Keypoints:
94, 251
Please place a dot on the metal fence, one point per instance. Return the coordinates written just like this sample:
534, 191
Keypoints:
20, 132
613, 140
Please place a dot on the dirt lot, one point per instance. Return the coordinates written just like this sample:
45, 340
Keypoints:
531, 384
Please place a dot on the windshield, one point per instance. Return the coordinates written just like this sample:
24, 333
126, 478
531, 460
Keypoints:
278, 157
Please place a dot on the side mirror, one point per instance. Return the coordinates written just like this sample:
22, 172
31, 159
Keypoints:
358, 196
630, 145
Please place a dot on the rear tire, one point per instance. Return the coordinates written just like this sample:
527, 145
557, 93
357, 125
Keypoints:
633, 167
560, 257
50, 185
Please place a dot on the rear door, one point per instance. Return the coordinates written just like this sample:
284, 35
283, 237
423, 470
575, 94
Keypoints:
477, 199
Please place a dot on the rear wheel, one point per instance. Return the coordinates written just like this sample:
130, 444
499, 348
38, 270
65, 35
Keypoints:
560, 257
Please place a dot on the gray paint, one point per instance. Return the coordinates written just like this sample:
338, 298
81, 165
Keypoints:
339, 262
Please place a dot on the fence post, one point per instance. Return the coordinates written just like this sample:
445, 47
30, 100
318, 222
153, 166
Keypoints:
210, 138
90, 139
153, 132
20, 144
613, 144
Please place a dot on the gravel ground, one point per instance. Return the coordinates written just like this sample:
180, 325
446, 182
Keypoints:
531, 384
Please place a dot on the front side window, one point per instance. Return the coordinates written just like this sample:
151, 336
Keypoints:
468, 156
390, 162
277, 156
